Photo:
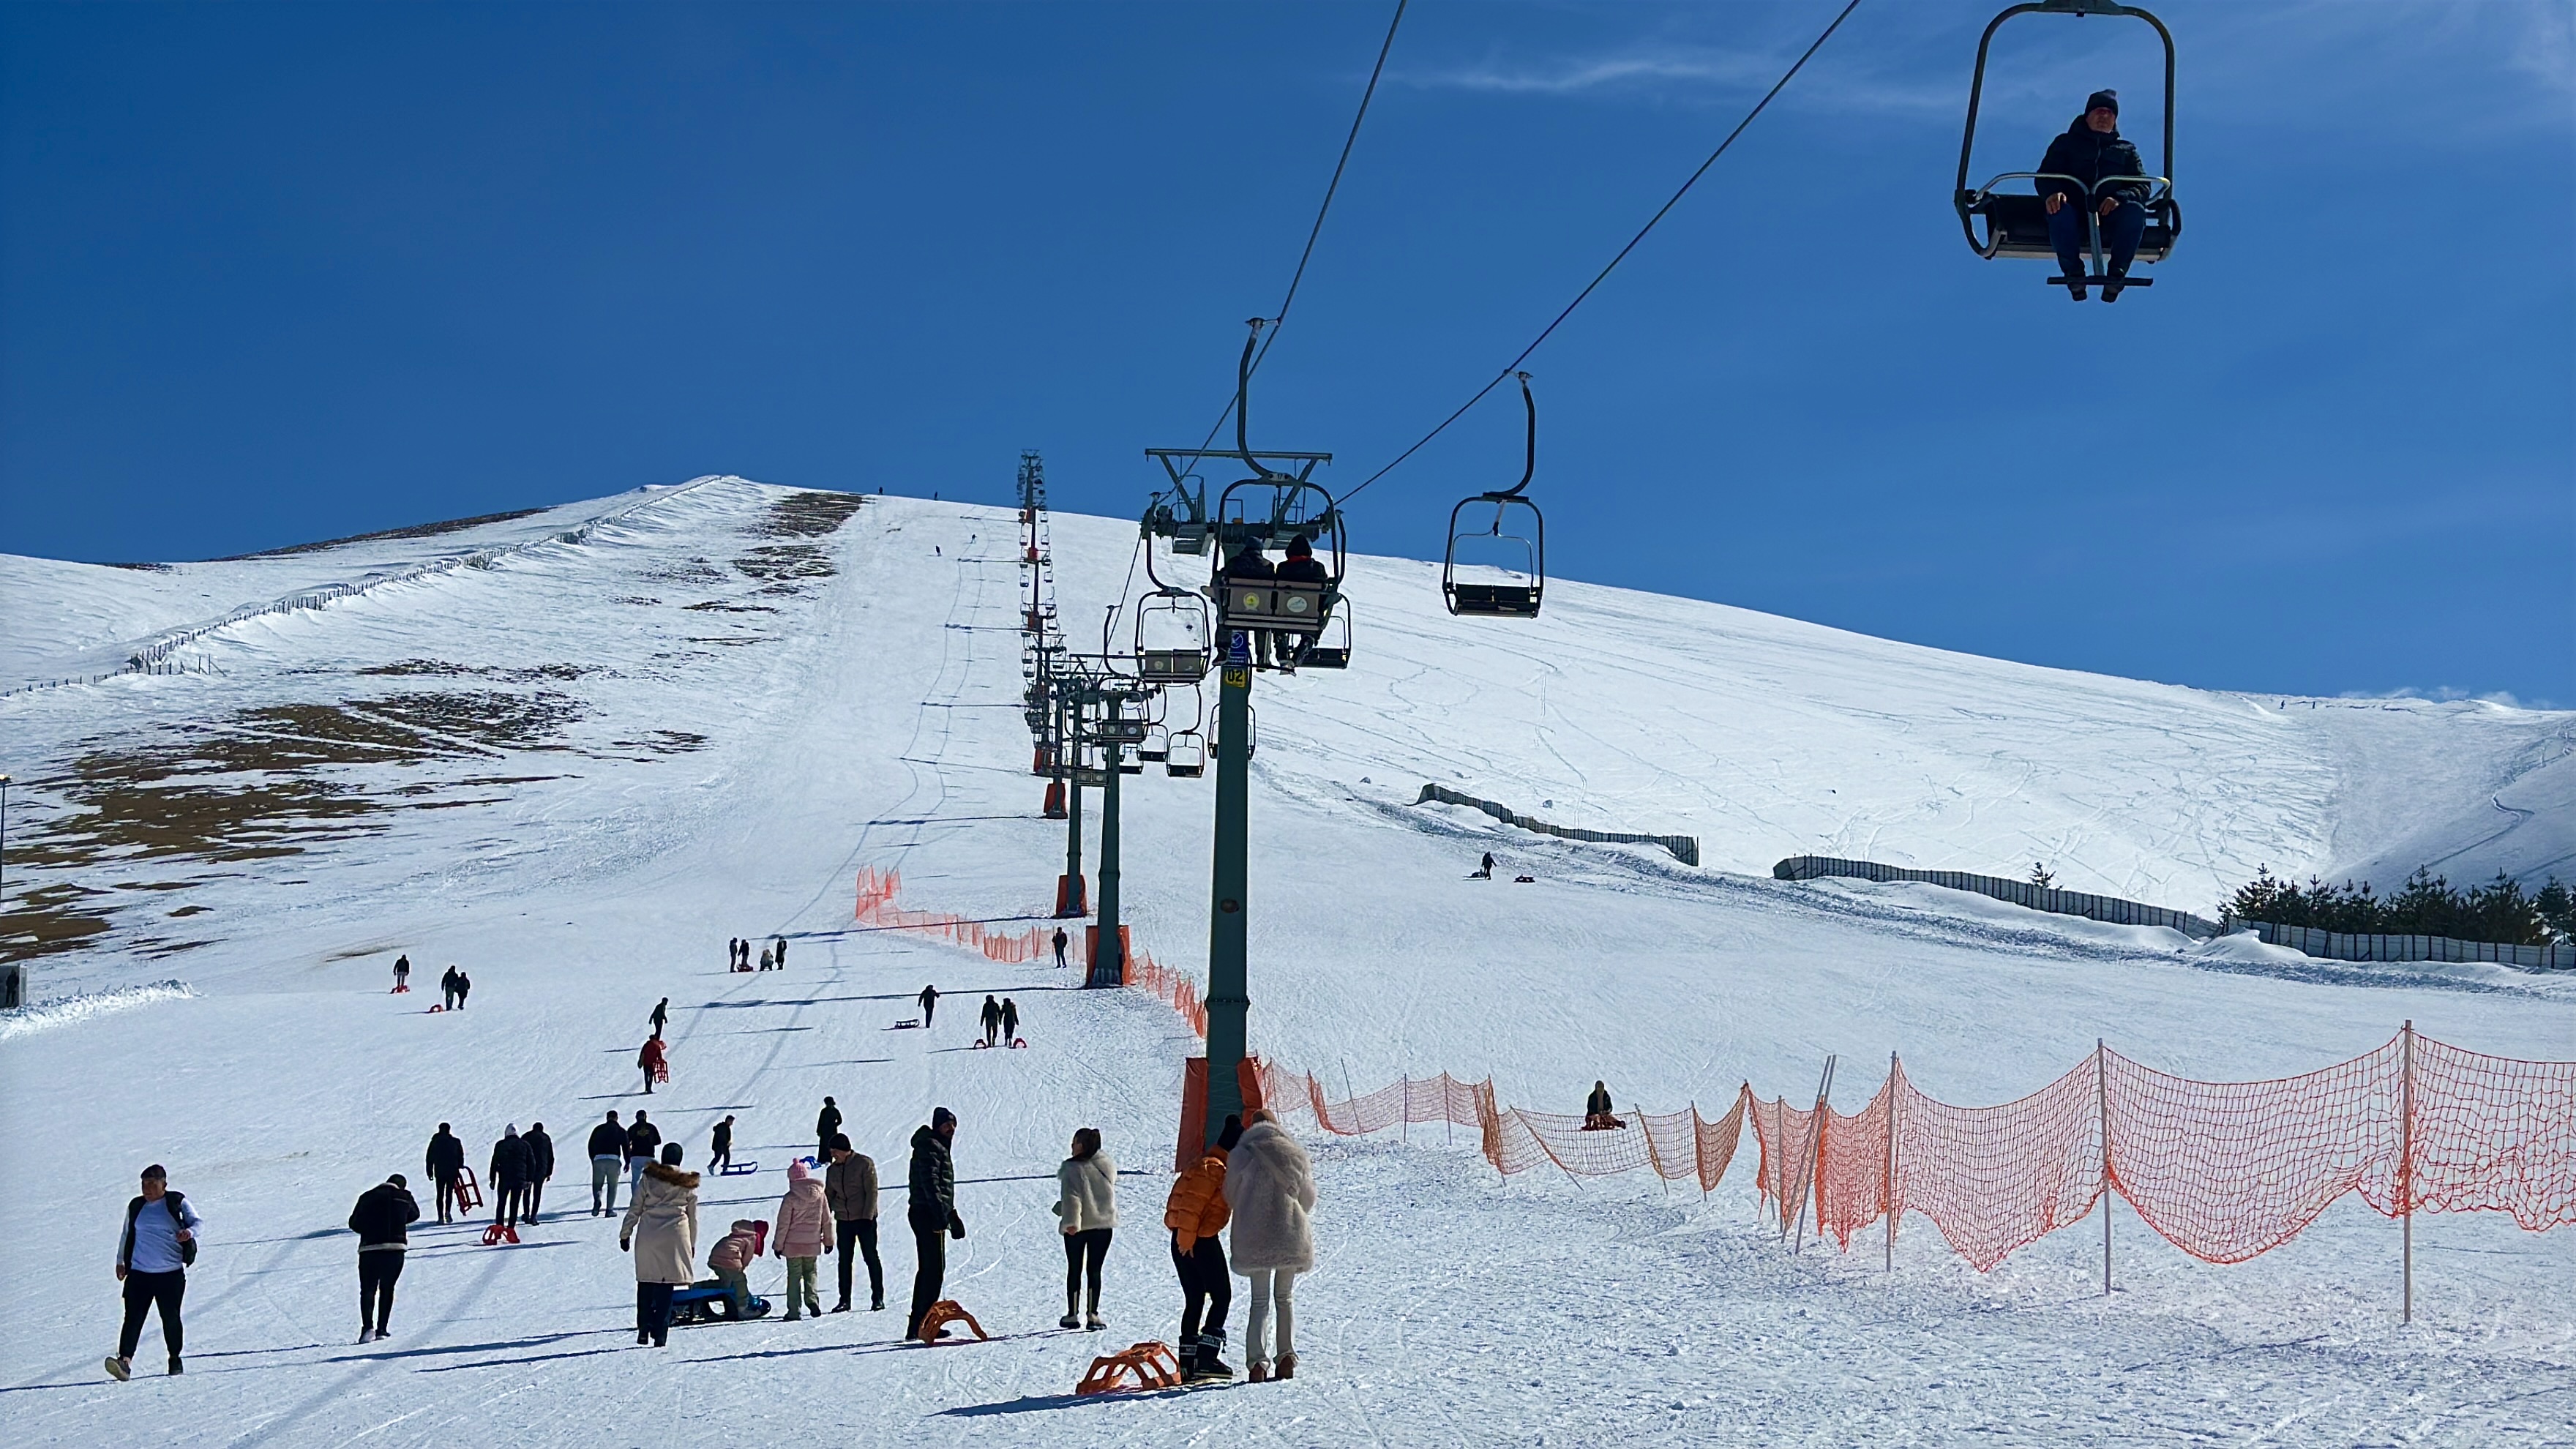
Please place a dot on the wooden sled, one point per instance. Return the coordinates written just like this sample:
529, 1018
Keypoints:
1151, 1364
943, 1313
469, 1193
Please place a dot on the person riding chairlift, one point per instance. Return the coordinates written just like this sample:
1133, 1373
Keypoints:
1250, 563
2091, 149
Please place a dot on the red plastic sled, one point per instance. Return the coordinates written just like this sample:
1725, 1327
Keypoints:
500, 1233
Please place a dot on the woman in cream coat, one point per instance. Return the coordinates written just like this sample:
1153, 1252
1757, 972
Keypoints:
1086, 1208
661, 1230
1270, 1185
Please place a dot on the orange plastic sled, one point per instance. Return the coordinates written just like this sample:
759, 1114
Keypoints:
943, 1313
1151, 1364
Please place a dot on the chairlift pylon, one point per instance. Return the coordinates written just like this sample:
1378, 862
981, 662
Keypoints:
2017, 225
1517, 554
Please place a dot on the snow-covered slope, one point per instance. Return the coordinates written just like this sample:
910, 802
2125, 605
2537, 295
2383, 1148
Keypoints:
579, 770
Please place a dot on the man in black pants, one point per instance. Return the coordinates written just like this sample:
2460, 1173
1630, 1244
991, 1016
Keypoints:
850, 1186
445, 1160
720, 1146
509, 1177
152, 1258
827, 1125
931, 1209
1060, 941
929, 1004
382, 1220
541, 1165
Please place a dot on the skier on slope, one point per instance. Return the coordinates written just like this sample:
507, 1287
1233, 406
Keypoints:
445, 1161
1010, 1021
929, 1004
509, 1177
653, 1060
607, 1162
382, 1221
992, 1018
827, 1125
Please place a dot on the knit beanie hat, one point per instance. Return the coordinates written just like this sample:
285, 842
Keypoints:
2100, 99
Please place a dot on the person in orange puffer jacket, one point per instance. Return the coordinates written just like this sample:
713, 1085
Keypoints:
1196, 1212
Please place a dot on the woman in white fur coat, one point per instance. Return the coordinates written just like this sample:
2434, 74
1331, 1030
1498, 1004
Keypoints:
1270, 1185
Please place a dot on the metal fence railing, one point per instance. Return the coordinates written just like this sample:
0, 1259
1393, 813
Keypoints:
1685, 848
2091, 907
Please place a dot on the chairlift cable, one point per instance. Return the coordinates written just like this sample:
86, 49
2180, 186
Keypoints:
1514, 365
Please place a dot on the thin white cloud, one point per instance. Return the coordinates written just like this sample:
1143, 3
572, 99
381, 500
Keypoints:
1675, 71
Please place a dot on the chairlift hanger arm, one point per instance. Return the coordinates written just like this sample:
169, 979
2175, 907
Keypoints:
1529, 468
1965, 198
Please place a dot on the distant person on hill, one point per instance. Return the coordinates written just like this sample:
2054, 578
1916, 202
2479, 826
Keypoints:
781, 946
827, 1125
464, 988
1486, 871
992, 1018
447, 989
402, 973
541, 1166
802, 1233
720, 1146
850, 1189
509, 1177
1196, 1212
929, 1004
930, 1207
152, 1258
643, 1139
656, 1064
1060, 942
1270, 1186
445, 1161
1010, 1021
765, 961
1597, 1114
661, 1015
382, 1220
1086, 1211
661, 1230
607, 1159
2090, 151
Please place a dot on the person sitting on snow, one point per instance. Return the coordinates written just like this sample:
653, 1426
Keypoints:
1597, 1116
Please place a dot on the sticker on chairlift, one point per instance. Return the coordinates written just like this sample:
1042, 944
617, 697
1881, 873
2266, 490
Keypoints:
1238, 651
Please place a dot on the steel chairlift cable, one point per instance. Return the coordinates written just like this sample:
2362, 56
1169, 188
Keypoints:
1317, 230
1514, 365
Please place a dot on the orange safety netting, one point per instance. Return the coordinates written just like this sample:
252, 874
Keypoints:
2222, 1170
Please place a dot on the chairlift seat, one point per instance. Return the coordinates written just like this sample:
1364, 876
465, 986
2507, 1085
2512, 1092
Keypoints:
1172, 666
1118, 731
1273, 604
1509, 601
2017, 229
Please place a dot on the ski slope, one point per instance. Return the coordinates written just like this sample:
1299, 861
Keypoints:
594, 761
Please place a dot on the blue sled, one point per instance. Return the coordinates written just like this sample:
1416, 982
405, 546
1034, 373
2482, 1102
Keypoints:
711, 1303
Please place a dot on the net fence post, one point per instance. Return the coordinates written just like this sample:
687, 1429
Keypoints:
1887, 1187
2406, 1167
2102, 1114
1807, 1176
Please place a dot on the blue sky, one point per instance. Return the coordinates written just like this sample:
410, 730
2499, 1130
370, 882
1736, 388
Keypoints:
270, 274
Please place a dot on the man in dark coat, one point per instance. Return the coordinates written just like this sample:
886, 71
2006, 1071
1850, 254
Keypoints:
992, 1019
509, 1177
464, 988
643, 1140
1061, 939
541, 1165
720, 1145
446, 1159
1249, 564
929, 1003
1010, 1021
827, 1125
447, 988
2092, 149
382, 1220
607, 1162
930, 1207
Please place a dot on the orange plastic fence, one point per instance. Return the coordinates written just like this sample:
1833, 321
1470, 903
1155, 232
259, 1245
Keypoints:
2223, 1170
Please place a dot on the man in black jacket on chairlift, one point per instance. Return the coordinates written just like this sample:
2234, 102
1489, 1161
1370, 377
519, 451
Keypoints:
2091, 149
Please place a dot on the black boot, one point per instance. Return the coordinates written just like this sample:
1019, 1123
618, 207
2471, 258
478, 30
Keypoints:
1209, 1367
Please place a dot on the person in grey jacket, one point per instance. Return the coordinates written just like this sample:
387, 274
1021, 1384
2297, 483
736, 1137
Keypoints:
850, 1185
1270, 1186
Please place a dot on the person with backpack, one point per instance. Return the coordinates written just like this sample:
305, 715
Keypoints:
1010, 1021
661, 1230
152, 1258
607, 1158
802, 1233
720, 1146
1086, 1210
931, 1208
382, 1220
541, 1165
642, 1140
446, 1162
1270, 1188
850, 1190
509, 1177
1196, 1212
827, 1125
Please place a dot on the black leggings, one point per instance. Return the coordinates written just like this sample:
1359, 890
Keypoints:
1088, 1248
376, 1274
1205, 1283
143, 1293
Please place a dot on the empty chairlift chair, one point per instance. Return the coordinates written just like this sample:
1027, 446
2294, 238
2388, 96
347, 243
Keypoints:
1496, 564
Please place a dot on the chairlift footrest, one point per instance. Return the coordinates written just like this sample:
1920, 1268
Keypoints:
2106, 281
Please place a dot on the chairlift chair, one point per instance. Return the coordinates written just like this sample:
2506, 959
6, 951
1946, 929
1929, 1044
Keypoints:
1157, 746
1331, 648
1172, 634
1188, 757
1505, 560
2016, 225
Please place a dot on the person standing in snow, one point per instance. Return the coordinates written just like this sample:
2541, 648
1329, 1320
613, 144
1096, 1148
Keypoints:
931, 1209
781, 944
607, 1159
1196, 1212
720, 1146
541, 1166
464, 988
643, 1139
1061, 941
733, 954
827, 1125
1270, 1187
152, 1258
445, 1161
1086, 1210
382, 1220
661, 1015
992, 1015
447, 989
509, 1177
850, 1190
402, 973
801, 1233
1010, 1021
1486, 871
661, 1230
653, 1061
929, 1004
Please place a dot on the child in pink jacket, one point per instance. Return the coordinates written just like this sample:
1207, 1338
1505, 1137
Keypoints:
803, 1233
731, 1257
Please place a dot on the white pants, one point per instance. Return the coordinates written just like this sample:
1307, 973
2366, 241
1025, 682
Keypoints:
1269, 1284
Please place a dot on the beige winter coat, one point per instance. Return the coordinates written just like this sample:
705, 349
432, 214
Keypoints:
1087, 1193
661, 1226
1270, 1184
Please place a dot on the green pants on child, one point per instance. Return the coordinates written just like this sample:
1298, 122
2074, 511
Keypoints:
800, 1287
